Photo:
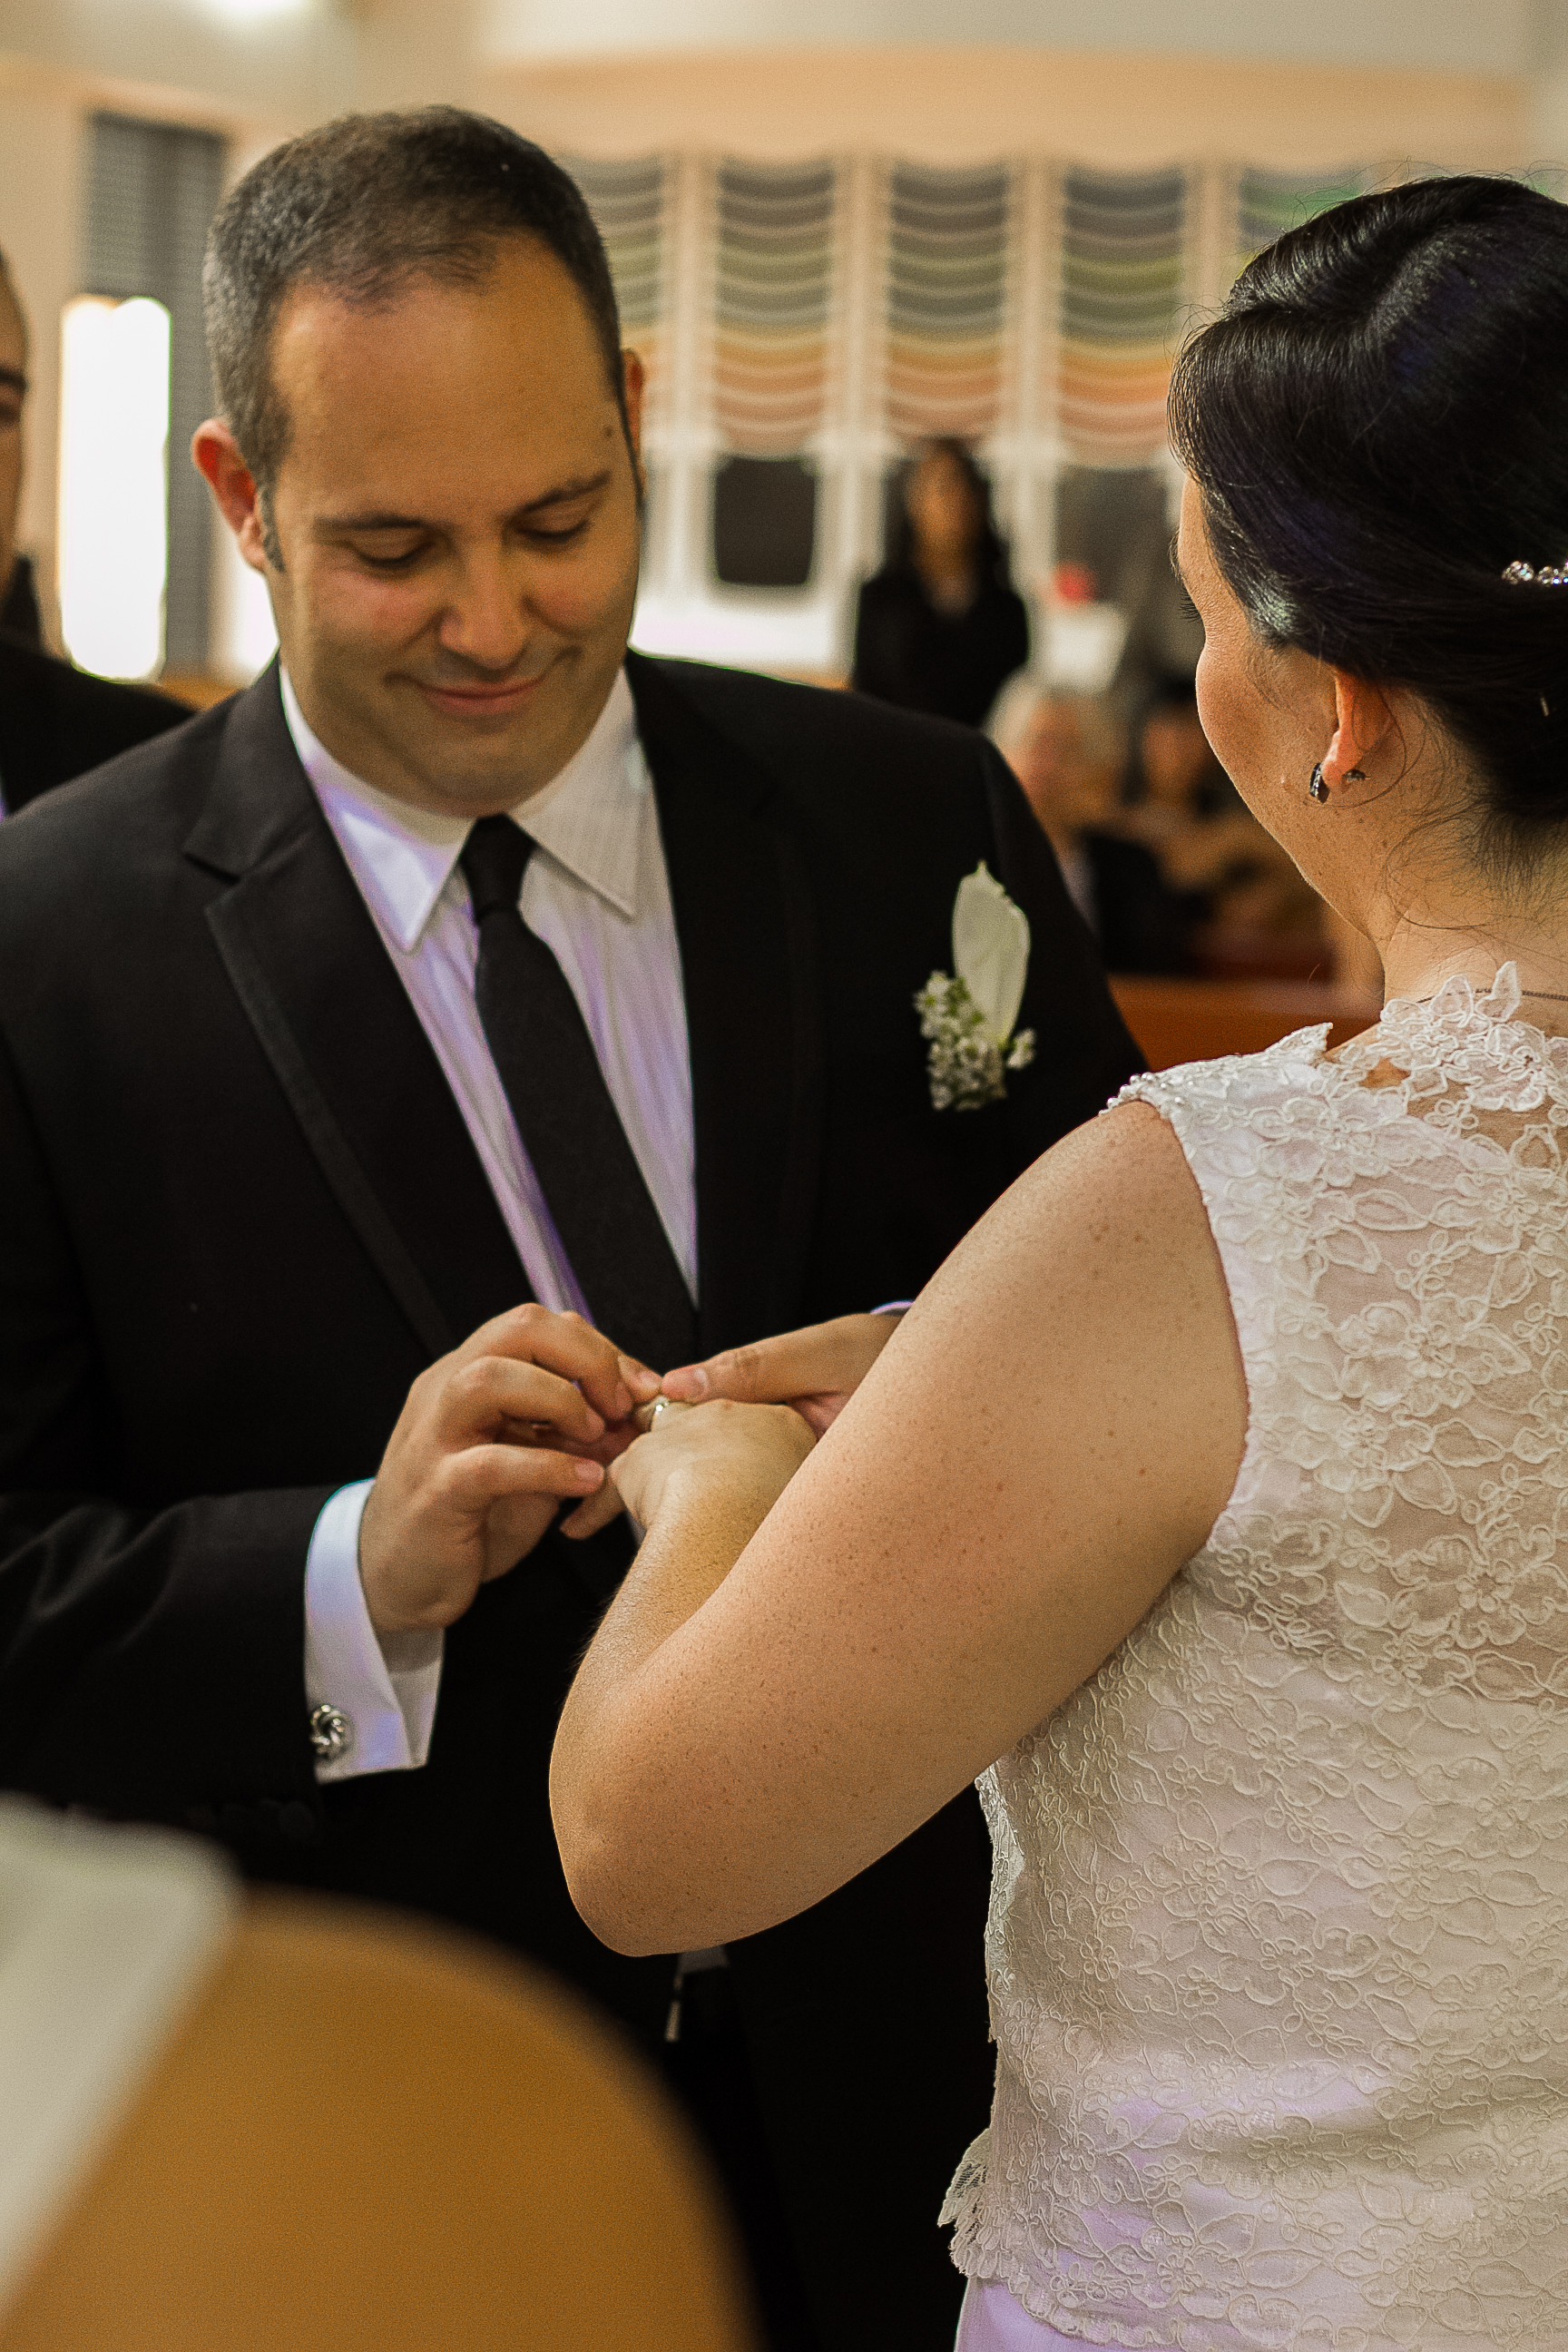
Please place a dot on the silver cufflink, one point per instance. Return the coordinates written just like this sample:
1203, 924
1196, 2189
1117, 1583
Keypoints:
331, 1733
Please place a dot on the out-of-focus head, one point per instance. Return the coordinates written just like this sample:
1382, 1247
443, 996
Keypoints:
13, 392
1065, 749
428, 445
1174, 752
1375, 429
948, 506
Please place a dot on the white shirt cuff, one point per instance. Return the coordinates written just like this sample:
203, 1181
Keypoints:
386, 1687
894, 1307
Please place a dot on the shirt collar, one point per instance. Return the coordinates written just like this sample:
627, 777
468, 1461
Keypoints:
588, 819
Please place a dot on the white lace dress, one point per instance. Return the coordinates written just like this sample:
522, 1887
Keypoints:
1279, 1935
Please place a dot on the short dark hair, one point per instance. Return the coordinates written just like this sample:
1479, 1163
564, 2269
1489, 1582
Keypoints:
1377, 424
363, 206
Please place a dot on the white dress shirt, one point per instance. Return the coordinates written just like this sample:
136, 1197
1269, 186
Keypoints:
598, 891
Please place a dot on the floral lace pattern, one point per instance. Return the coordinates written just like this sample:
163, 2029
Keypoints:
1279, 1935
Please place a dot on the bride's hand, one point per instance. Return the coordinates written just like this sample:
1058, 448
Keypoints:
817, 1370
739, 1453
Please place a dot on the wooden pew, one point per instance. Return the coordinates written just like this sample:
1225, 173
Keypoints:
1198, 1020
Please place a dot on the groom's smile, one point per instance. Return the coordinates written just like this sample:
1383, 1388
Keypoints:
482, 701
457, 515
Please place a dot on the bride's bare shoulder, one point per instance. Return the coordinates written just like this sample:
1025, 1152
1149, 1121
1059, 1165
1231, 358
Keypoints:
1098, 1273
1113, 1175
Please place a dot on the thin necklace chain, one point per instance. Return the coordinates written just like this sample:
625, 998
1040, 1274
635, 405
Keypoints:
1541, 995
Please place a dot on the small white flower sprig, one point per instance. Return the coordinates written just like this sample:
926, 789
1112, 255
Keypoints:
968, 1013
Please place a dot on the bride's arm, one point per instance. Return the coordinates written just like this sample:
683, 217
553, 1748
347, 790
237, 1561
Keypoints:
777, 1697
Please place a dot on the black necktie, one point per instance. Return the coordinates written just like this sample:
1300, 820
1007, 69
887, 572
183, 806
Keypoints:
597, 1197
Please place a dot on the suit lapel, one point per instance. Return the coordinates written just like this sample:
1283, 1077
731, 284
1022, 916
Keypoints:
743, 917
336, 1025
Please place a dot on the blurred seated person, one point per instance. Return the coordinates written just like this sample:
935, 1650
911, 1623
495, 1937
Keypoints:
941, 627
1212, 851
54, 722
1066, 750
161, 2041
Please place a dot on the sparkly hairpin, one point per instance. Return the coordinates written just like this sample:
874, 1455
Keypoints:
1554, 575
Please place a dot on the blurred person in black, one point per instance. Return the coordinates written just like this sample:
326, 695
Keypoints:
54, 722
1191, 816
1066, 751
941, 627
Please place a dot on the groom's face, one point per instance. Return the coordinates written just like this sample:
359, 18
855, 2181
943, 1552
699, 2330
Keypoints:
457, 514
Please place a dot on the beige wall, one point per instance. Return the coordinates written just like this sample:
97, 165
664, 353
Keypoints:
1463, 36
295, 64
944, 105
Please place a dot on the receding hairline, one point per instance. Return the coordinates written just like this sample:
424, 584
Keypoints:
470, 267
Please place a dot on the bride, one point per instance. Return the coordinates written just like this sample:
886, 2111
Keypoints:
1211, 1506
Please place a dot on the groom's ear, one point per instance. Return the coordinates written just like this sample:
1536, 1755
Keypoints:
634, 384
216, 455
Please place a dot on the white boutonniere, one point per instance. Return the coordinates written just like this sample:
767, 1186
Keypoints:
968, 1013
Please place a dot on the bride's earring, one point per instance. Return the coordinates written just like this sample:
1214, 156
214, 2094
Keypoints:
1317, 789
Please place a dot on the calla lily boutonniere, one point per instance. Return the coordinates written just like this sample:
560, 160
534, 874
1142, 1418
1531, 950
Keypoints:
968, 1013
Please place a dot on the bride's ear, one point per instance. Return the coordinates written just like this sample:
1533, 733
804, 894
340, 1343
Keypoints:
1362, 721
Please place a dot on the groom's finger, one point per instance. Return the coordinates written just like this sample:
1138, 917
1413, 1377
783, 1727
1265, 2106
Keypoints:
568, 1346
481, 1395
595, 1513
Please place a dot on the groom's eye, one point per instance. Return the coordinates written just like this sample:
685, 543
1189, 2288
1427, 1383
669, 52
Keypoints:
558, 526
382, 557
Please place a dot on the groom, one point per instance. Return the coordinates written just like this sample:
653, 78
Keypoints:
470, 960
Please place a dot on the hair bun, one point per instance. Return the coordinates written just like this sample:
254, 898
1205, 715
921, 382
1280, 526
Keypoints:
1331, 418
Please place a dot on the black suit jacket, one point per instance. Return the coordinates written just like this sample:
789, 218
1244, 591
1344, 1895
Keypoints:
242, 1213
56, 722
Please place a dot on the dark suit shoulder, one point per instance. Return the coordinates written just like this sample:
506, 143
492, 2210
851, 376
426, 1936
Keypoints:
817, 739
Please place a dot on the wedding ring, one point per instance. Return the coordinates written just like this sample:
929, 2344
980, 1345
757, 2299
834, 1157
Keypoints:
666, 1404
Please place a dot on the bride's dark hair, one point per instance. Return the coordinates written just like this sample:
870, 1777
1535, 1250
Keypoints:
1378, 423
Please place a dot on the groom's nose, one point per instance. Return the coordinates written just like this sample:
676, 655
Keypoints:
487, 620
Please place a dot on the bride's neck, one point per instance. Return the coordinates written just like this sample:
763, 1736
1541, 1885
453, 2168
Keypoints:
1421, 952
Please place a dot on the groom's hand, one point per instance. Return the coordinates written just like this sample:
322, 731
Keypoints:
817, 1370
493, 1438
